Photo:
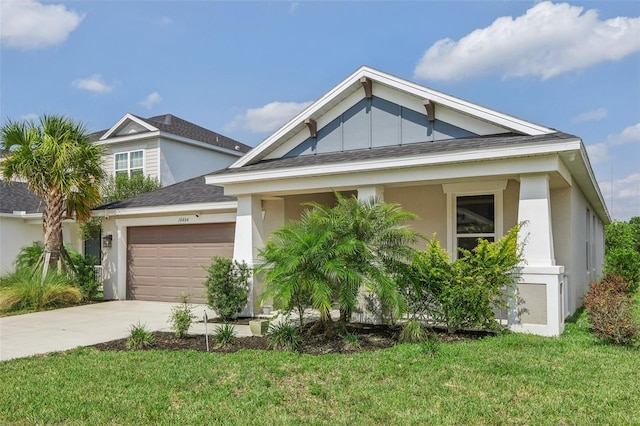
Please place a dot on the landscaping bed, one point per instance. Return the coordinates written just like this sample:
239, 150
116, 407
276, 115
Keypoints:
370, 337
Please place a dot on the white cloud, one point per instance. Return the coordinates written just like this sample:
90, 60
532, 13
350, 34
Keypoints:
95, 84
599, 152
549, 39
30, 117
267, 118
293, 8
595, 115
165, 20
622, 196
151, 100
27, 24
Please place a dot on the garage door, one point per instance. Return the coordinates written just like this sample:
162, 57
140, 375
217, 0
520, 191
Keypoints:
164, 262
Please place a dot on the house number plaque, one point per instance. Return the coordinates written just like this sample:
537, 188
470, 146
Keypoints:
183, 219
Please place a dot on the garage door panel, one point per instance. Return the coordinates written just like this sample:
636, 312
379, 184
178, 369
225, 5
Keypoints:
167, 261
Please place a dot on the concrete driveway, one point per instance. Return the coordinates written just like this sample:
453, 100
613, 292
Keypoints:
62, 329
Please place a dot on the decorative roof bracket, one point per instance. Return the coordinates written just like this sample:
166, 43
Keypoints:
312, 126
431, 109
368, 87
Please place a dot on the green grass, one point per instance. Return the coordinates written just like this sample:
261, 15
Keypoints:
508, 379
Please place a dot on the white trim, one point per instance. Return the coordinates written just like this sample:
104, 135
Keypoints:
169, 136
127, 117
177, 220
455, 190
352, 83
386, 163
178, 208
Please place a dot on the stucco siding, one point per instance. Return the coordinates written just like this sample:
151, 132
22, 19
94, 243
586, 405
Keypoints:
18, 233
429, 202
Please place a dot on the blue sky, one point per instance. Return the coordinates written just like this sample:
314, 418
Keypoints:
244, 68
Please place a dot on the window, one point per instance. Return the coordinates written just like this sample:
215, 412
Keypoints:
475, 218
129, 163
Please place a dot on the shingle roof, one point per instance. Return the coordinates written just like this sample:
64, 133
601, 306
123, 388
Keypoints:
169, 123
15, 196
190, 191
398, 151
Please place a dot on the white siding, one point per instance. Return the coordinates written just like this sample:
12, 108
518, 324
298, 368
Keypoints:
149, 147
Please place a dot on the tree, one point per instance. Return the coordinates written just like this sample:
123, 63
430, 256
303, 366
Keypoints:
57, 161
621, 250
122, 187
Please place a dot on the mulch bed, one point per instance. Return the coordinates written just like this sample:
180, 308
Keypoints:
370, 338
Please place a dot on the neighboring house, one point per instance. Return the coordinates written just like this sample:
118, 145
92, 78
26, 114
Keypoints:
465, 170
165, 147
21, 223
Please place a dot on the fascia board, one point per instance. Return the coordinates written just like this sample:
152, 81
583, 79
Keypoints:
167, 136
381, 164
178, 208
120, 122
22, 215
593, 183
353, 80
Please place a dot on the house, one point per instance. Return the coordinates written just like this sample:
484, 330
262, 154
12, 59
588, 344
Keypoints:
467, 171
165, 147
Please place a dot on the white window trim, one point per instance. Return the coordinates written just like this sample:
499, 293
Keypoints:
115, 162
455, 190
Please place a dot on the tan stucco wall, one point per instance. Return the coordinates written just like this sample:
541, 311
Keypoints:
429, 202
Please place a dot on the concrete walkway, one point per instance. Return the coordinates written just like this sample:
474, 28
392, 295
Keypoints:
62, 329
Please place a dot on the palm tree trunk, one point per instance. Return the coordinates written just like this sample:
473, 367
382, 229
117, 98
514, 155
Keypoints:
52, 223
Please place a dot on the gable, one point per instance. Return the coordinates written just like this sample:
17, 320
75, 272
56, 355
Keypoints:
130, 128
338, 121
375, 122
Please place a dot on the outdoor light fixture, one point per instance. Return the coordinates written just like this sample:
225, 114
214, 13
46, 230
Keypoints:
106, 240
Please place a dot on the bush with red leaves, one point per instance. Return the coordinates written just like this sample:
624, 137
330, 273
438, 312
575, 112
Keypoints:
610, 310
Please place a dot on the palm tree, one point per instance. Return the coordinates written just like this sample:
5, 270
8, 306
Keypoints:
58, 163
304, 262
332, 251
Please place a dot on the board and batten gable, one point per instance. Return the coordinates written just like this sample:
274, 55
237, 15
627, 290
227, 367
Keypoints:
388, 118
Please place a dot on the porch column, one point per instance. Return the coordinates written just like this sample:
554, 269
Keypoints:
535, 208
366, 192
249, 239
540, 292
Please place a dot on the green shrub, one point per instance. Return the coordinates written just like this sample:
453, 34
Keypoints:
284, 336
611, 311
465, 292
29, 256
224, 335
227, 287
430, 347
413, 332
181, 317
622, 255
25, 290
139, 337
84, 274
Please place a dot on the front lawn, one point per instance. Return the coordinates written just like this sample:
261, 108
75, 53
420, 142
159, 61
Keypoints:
512, 379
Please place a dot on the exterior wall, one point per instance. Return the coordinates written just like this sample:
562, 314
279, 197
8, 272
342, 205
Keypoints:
561, 222
180, 161
429, 202
17, 233
150, 147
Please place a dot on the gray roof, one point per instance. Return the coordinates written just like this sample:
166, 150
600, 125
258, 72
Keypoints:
399, 151
190, 191
169, 123
16, 196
